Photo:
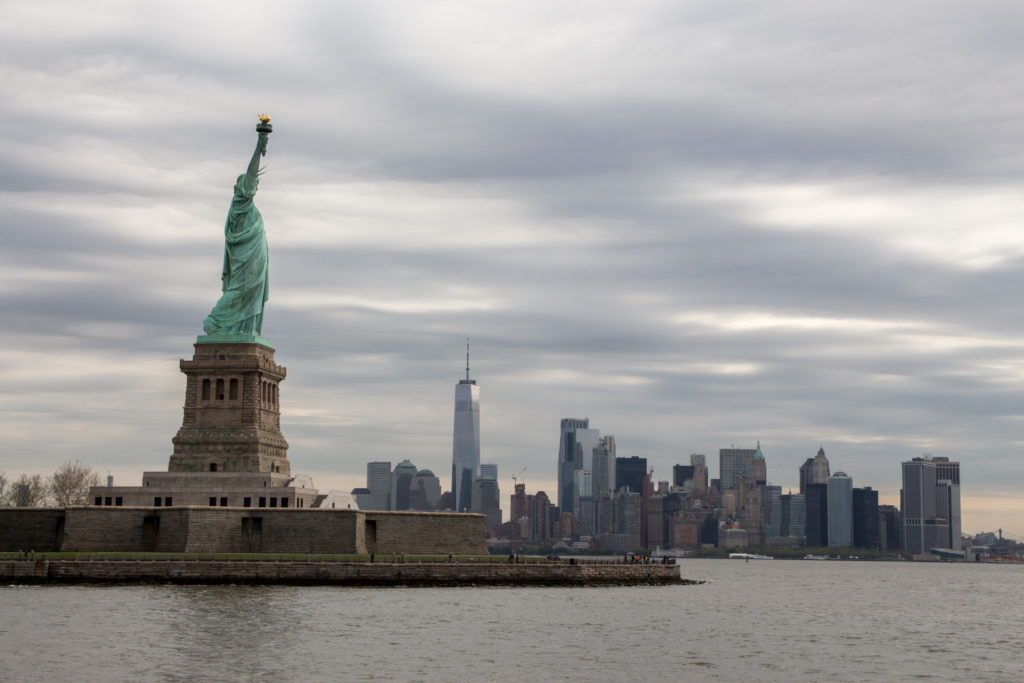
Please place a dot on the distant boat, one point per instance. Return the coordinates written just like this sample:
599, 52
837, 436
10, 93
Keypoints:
749, 556
817, 557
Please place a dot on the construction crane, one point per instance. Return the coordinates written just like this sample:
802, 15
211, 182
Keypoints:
515, 478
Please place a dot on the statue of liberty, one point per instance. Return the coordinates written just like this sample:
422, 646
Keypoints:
238, 315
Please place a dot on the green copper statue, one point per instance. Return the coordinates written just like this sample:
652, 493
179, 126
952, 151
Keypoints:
238, 315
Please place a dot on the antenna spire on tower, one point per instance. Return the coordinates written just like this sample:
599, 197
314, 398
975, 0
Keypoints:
467, 359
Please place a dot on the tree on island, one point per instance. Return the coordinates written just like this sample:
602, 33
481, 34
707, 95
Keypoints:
68, 485
38, 491
71, 482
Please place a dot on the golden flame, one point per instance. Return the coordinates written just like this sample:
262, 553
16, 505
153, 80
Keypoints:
265, 118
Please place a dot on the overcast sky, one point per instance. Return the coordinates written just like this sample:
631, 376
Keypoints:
699, 224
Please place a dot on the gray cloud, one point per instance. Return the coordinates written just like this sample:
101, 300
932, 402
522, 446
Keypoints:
695, 224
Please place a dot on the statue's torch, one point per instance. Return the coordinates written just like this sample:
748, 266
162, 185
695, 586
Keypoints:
264, 125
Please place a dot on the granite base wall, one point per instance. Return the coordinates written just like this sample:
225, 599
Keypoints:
425, 533
280, 531
124, 529
39, 529
239, 530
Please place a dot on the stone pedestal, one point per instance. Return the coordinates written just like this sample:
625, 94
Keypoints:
232, 415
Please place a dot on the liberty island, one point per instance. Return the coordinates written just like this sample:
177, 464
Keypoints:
229, 486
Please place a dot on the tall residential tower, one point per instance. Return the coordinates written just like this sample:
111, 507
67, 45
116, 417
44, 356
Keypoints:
466, 441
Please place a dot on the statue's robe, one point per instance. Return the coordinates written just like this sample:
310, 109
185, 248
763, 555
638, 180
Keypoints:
244, 281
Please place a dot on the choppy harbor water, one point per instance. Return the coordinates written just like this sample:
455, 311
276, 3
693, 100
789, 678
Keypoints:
756, 621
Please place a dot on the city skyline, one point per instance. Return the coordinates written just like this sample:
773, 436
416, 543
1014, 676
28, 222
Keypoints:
697, 225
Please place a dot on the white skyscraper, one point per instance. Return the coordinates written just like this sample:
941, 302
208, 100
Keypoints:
465, 442
586, 442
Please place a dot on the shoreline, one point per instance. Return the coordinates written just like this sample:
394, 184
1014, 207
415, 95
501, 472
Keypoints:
334, 573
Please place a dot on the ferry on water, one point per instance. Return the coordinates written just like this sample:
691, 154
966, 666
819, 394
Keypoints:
749, 556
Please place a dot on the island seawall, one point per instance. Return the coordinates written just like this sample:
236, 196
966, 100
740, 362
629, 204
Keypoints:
318, 572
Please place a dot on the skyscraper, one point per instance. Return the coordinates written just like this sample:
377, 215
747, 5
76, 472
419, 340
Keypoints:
700, 472
604, 467
682, 474
759, 468
814, 470
362, 496
816, 506
586, 443
582, 495
865, 519
378, 481
570, 459
733, 465
660, 511
540, 516
630, 472
891, 527
487, 500
627, 518
401, 485
931, 505
947, 474
947, 504
466, 441
794, 515
425, 493
771, 510
840, 509
518, 507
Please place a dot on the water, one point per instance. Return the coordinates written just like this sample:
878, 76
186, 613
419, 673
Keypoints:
758, 621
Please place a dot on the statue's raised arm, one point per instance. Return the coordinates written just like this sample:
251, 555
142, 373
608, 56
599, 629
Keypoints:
252, 173
238, 315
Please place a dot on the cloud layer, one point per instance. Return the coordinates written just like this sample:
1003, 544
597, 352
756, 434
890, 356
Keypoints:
697, 224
